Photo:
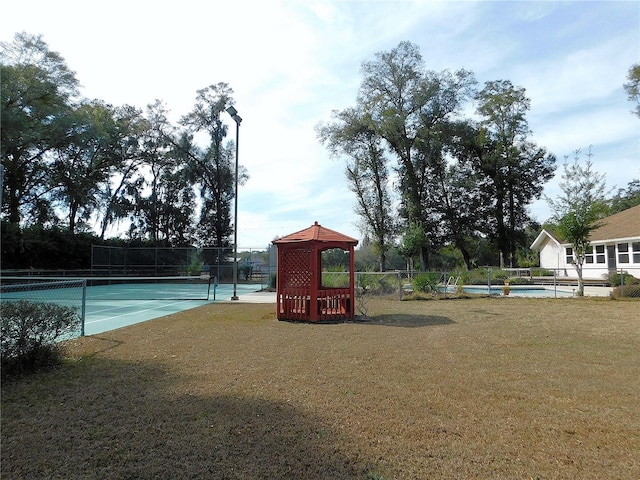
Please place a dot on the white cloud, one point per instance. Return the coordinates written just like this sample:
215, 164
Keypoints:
565, 82
601, 126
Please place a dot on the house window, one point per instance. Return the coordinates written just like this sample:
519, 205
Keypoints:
569, 254
635, 247
588, 254
623, 253
600, 256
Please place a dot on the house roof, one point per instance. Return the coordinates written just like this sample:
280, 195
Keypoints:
538, 243
625, 224
316, 232
622, 225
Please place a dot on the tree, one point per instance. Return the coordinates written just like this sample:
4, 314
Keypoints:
456, 180
127, 148
626, 198
32, 50
211, 167
367, 175
515, 167
413, 242
633, 87
71, 160
578, 209
456, 204
37, 96
457, 207
82, 168
160, 197
408, 107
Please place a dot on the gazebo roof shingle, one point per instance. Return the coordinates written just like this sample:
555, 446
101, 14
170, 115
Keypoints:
316, 232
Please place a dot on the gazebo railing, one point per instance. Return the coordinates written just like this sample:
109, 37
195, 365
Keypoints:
334, 304
330, 305
294, 304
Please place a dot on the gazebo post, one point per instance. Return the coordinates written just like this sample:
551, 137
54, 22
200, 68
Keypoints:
316, 281
352, 278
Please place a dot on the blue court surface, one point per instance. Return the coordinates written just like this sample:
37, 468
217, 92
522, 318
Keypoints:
103, 314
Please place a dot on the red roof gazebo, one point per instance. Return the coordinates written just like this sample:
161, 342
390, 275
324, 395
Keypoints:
300, 293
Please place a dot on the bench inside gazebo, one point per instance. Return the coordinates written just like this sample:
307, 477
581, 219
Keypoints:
300, 292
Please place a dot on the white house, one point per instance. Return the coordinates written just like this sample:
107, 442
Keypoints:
615, 245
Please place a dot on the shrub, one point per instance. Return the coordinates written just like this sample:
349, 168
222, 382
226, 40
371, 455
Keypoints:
479, 277
498, 277
375, 284
195, 267
386, 284
464, 277
41, 247
538, 272
333, 279
626, 291
426, 282
247, 271
30, 335
364, 285
615, 278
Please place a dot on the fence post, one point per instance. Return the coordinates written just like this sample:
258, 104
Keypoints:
399, 285
84, 305
621, 283
488, 281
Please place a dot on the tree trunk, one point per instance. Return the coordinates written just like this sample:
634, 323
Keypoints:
383, 261
424, 259
580, 292
73, 211
465, 253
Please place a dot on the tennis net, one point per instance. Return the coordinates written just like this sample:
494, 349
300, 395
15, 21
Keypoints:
69, 293
109, 288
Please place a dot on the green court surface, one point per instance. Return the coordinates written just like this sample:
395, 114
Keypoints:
112, 302
103, 314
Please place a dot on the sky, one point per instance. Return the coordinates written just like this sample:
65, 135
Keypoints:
291, 63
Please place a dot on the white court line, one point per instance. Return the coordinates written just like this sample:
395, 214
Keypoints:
134, 313
121, 306
124, 305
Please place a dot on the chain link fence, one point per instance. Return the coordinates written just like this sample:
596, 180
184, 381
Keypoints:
491, 281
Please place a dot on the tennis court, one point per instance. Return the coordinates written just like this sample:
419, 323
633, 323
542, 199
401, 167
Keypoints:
102, 315
112, 303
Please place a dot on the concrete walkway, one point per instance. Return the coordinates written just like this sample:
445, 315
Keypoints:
256, 297
596, 291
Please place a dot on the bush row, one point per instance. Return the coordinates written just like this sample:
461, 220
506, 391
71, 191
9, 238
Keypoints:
54, 248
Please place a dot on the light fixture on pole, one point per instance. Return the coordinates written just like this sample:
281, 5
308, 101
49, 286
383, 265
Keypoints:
236, 118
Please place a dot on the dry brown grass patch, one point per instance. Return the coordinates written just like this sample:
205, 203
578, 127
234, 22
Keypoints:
475, 388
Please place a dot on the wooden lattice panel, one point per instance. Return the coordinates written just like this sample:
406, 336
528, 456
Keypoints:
295, 268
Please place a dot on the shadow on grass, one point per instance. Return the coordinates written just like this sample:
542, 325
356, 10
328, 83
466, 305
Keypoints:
102, 418
389, 320
99, 344
404, 320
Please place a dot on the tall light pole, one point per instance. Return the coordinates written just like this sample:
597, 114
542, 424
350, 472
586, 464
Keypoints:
236, 118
